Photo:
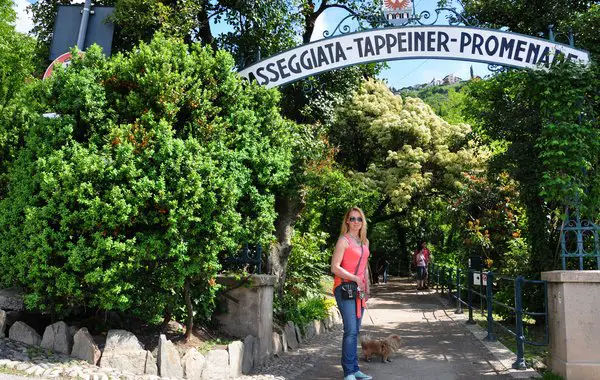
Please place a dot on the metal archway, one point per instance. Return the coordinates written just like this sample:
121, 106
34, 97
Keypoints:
415, 36
473, 44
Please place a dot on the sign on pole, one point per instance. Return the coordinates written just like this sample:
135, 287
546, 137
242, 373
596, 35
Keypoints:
479, 278
98, 29
64, 59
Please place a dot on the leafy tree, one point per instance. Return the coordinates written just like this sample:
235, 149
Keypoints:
16, 68
315, 108
15, 56
138, 20
494, 220
523, 16
447, 101
547, 120
584, 23
400, 149
160, 161
401, 146
258, 29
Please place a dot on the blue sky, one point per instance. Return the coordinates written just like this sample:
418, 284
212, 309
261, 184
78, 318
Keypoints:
399, 74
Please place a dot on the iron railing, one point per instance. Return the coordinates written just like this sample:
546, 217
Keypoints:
249, 259
457, 282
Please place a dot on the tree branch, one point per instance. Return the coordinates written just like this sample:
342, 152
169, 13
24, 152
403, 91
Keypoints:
311, 18
384, 218
344, 7
216, 13
190, 311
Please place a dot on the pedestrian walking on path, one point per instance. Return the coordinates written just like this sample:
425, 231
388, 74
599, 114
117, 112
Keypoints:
420, 261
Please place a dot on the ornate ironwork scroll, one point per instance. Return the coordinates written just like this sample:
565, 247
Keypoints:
497, 68
455, 19
424, 18
363, 23
250, 258
553, 36
312, 85
579, 240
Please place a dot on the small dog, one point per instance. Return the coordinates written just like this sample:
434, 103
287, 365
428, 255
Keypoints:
379, 347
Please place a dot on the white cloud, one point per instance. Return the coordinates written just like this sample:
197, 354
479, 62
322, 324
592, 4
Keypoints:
320, 26
328, 20
24, 22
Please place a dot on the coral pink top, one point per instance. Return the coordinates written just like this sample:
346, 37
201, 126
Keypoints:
351, 258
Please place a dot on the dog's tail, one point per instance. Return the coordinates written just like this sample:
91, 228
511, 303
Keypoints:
393, 341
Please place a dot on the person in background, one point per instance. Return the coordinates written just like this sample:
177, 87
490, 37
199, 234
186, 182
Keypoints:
375, 269
349, 263
427, 261
384, 269
421, 261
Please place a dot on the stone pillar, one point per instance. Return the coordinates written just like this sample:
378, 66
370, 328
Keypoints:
249, 311
573, 310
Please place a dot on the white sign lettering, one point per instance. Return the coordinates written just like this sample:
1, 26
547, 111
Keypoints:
430, 42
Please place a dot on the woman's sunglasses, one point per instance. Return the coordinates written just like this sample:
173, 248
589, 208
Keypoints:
355, 219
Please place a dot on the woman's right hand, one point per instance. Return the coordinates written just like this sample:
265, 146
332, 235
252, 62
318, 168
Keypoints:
361, 283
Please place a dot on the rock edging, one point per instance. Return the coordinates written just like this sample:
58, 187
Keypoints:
125, 357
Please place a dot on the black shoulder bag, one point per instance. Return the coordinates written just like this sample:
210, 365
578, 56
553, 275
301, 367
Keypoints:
350, 288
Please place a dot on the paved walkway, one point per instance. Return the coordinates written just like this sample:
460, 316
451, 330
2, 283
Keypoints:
436, 343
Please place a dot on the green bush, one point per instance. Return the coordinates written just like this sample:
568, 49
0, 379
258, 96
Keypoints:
161, 160
308, 310
306, 264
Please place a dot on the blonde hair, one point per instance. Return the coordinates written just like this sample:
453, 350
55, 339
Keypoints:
363, 230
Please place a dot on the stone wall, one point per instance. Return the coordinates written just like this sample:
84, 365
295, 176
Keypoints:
249, 310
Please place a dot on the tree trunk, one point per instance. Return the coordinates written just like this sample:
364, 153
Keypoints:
404, 257
288, 207
539, 237
189, 310
204, 32
167, 318
309, 21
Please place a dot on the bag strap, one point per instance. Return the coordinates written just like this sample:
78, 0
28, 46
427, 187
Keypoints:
359, 260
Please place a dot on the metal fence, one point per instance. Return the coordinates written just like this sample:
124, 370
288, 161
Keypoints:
458, 283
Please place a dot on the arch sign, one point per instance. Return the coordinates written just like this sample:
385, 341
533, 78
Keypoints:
422, 42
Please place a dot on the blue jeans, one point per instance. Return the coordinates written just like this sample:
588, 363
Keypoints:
351, 329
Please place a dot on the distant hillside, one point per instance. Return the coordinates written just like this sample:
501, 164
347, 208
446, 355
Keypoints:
445, 100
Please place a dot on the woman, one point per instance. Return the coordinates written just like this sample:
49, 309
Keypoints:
421, 259
349, 263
